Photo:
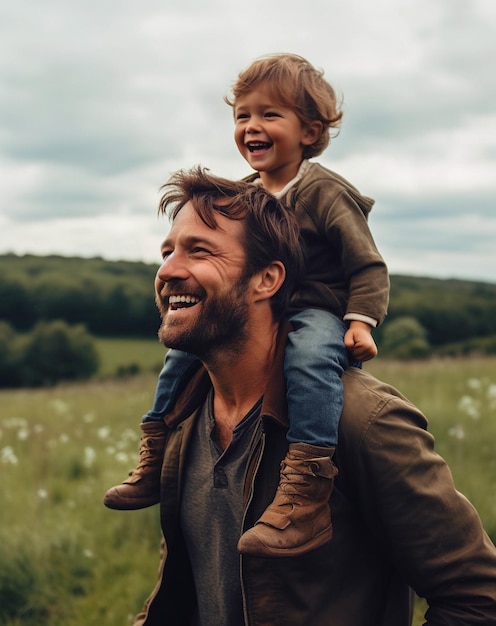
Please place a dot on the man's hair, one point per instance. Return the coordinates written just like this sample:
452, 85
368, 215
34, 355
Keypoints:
298, 85
271, 232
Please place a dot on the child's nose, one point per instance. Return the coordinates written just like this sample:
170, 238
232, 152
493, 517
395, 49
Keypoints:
254, 125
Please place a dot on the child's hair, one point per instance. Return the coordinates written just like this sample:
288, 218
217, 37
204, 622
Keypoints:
297, 85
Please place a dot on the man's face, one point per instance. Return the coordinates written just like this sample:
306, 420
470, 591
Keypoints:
199, 288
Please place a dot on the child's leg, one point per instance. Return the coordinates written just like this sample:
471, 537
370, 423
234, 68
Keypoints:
299, 519
142, 487
178, 366
315, 360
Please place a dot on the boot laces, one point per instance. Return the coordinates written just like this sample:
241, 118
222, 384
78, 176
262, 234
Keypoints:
146, 454
293, 482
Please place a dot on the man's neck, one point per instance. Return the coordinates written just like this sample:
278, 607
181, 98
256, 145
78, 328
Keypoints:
239, 380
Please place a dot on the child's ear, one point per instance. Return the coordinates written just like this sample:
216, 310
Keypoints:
312, 132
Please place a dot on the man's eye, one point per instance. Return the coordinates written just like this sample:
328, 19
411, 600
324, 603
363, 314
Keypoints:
199, 250
166, 254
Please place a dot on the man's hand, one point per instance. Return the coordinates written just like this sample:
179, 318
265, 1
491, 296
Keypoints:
359, 341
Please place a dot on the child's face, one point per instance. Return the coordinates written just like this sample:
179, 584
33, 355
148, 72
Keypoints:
270, 137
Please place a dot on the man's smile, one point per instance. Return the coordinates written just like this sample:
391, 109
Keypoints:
182, 301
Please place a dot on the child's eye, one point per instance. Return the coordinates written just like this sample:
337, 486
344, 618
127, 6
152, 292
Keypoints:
272, 114
242, 116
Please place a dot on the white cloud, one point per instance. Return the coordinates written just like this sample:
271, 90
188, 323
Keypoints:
101, 101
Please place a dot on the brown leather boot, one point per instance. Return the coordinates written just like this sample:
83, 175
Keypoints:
142, 488
299, 518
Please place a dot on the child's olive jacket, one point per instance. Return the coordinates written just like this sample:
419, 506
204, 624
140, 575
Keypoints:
345, 273
399, 523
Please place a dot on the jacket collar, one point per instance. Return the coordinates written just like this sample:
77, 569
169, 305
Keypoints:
274, 404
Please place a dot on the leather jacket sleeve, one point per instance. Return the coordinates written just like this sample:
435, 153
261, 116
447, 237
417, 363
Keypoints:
405, 492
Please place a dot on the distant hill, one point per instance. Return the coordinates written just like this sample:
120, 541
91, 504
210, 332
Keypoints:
450, 310
112, 298
115, 298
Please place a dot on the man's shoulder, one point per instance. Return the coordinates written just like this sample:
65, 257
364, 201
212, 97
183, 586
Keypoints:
368, 399
357, 380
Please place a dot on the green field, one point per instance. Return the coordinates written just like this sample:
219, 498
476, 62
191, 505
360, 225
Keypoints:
125, 354
65, 560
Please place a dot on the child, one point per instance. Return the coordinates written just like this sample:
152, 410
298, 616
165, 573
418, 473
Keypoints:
283, 111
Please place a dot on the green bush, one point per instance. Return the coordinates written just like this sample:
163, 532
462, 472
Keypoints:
405, 338
55, 351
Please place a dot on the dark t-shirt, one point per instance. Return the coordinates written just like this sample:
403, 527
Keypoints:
212, 516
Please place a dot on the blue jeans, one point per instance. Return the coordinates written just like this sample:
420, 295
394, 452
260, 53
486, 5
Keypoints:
178, 368
314, 362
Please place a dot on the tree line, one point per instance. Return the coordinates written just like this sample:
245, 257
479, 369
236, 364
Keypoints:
111, 298
52, 305
452, 316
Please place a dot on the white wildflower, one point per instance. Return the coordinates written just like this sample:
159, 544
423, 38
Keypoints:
89, 456
103, 432
122, 457
8, 456
469, 406
22, 434
129, 435
457, 432
474, 383
60, 407
491, 396
491, 390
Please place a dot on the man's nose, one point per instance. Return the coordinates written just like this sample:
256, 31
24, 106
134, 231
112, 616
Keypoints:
174, 265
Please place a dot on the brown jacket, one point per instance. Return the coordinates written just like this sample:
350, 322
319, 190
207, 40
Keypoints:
399, 523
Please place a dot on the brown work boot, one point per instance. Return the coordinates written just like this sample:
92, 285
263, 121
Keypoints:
142, 488
299, 518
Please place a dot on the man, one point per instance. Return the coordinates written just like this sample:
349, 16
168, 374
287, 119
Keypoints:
230, 260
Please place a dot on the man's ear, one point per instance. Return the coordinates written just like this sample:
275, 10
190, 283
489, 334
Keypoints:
312, 132
269, 280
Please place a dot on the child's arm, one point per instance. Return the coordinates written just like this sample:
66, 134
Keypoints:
359, 341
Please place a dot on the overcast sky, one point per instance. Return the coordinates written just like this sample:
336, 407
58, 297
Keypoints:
101, 100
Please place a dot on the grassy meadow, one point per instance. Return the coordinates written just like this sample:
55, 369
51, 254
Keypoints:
66, 560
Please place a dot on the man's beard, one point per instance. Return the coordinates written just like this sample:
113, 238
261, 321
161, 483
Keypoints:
220, 327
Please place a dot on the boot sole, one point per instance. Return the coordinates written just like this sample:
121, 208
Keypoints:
129, 505
263, 550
